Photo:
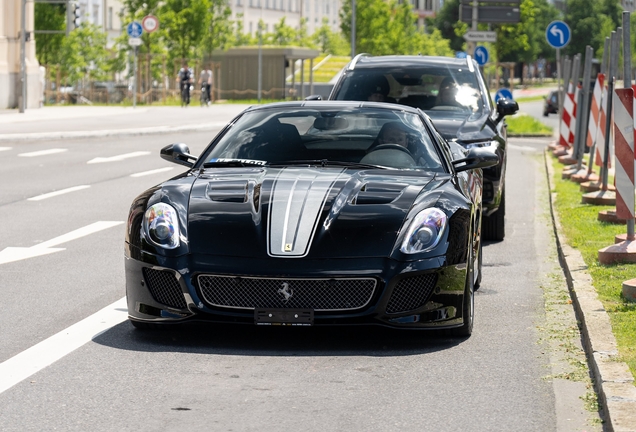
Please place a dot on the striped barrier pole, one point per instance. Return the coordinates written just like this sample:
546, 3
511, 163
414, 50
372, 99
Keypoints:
563, 89
566, 111
583, 115
593, 132
566, 156
604, 196
624, 133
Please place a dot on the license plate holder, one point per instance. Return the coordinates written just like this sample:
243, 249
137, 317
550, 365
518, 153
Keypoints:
284, 317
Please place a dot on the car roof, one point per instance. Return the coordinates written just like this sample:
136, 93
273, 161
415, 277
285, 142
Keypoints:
332, 104
366, 61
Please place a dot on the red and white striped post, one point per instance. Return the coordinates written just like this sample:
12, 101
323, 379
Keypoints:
593, 131
624, 134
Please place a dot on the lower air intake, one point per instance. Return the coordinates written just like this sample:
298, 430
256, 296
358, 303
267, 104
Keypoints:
411, 293
164, 288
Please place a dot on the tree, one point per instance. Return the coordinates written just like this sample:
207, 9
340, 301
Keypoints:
49, 17
219, 27
283, 35
84, 54
184, 26
447, 21
330, 42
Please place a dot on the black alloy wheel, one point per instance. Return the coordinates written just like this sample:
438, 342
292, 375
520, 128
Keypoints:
493, 227
468, 308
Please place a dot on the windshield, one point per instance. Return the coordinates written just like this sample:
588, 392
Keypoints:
360, 137
437, 90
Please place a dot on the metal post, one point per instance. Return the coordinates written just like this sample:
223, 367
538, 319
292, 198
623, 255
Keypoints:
311, 76
613, 65
23, 79
559, 87
353, 28
627, 83
135, 79
260, 64
475, 18
585, 112
302, 79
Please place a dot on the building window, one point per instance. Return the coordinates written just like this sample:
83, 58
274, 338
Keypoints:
110, 18
428, 5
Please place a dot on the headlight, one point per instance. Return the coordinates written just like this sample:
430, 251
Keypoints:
425, 231
481, 144
161, 225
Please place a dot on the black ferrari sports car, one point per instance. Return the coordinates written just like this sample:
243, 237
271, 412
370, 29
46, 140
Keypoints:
312, 213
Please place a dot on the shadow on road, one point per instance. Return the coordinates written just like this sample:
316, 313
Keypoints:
221, 339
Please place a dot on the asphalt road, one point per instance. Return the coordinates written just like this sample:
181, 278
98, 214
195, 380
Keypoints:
248, 378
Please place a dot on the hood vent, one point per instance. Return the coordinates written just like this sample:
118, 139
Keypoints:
379, 193
228, 191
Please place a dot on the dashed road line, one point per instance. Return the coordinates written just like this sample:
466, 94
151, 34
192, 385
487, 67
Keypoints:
43, 152
118, 158
5, 148
155, 171
59, 192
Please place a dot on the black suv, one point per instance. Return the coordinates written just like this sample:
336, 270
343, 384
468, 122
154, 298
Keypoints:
453, 93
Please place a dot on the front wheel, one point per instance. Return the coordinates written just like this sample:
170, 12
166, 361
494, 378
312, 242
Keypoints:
493, 227
468, 308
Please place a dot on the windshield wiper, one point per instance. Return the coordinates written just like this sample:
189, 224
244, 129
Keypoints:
326, 162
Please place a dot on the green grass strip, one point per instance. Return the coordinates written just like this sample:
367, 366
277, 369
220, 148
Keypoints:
585, 232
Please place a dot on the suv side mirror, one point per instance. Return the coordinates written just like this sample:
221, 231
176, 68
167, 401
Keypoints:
506, 107
178, 153
476, 158
313, 98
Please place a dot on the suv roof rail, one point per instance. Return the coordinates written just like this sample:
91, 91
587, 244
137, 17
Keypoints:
469, 60
352, 63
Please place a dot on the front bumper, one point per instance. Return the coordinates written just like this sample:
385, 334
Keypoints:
418, 294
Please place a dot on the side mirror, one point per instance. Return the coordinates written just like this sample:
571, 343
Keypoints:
178, 153
476, 158
313, 98
506, 107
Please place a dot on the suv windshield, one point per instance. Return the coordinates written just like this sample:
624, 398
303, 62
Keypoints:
367, 136
436, 90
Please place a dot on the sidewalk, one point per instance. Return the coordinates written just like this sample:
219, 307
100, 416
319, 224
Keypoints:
87, 121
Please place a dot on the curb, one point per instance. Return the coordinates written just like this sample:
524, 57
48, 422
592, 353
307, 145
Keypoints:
35, 136
612, 378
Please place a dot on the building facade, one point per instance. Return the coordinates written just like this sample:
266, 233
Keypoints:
10, 57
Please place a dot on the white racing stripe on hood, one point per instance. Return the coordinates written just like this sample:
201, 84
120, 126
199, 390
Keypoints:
298, 197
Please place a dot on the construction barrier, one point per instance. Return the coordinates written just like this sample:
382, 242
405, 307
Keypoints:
623, 108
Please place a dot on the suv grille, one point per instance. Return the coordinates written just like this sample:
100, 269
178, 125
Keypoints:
164, 287
411, 292
316, 294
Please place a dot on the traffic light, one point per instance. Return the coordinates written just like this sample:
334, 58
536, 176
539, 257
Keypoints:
72, 16
76, 15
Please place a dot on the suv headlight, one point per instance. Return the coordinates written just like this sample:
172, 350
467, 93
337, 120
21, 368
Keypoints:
161, 225
481, 144
425, 231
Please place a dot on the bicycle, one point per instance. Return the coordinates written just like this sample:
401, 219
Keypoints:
185, 94
205, 100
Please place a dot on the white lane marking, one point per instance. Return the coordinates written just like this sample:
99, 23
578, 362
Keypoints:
156, 171
43, 152
59, 192
12, 254
5, 148
118, 158
47, 352
523, 148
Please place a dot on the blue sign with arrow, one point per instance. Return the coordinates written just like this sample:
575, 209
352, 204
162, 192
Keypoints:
503, 93
134, 29
558, 34
481, 55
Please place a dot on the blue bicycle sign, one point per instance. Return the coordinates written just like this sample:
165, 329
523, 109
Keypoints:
134, 29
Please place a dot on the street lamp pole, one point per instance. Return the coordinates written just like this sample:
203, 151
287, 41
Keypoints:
22, 104
353, 28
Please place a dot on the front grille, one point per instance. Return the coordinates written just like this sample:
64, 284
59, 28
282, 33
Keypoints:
164, 287
411, 292
317, 294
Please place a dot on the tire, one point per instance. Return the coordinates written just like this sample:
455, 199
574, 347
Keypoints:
545, 113
468, 308
493, 227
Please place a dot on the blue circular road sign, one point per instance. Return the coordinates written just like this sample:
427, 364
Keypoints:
503, 93
558, 34
481, 55
134, 29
